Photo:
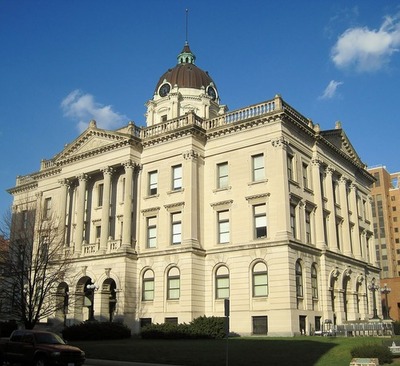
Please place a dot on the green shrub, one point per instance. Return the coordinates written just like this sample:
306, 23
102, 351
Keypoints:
381, 352
200, 328
208, 327
166, 331
91, 331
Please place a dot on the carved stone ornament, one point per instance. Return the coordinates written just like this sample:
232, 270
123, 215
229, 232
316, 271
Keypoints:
335, 273
190, 155
279, 142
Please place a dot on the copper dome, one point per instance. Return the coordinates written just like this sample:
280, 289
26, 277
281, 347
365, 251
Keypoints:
186, 74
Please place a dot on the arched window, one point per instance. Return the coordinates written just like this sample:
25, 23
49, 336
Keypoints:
314, 282
260, 280
173, 284
222, 283
148, 286
299, 280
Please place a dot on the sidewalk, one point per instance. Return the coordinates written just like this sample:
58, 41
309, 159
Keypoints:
94, 362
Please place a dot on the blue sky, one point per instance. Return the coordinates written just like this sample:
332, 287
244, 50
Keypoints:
63, 63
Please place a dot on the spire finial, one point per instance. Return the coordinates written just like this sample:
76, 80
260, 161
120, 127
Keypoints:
187, 19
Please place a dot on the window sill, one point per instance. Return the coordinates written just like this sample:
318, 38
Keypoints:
222, 189
257, 182
180, 190
152, 196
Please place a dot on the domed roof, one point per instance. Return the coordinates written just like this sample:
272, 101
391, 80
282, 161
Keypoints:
186, 74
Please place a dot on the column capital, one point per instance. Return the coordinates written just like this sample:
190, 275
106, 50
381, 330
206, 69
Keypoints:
83, 177
39, 194
107, 170
280, 142
343, 180
190, 155
317, 162
129, 164
64, 182
329, 170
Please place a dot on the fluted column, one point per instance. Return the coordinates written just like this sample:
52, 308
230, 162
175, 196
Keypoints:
333, 242
356, 231
346, 233
190, 213
128, 200
80, 213
319, 209
105, 213
64, 184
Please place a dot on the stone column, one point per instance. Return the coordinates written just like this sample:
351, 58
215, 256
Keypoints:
333, 239
356, 232
105, 213
319, 209
128, 200
80, 213
346, 233
64, 185
281, 202
190, 214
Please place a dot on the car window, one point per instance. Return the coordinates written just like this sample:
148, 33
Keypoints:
48, 338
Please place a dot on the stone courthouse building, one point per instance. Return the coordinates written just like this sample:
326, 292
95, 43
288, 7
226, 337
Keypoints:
257, 205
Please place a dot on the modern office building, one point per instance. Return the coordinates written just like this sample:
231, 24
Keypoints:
386, 219
258, 205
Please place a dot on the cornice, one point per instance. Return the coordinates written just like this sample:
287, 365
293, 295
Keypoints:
98, 151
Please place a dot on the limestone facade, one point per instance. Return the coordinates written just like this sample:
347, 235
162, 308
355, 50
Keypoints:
258, 206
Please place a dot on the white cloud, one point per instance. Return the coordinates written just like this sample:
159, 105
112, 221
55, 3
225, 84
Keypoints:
330, 90
83, 107
365, 49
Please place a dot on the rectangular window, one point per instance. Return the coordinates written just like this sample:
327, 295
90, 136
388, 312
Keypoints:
223, 227
260, 221
24, 219
151, 232
144, 322
308, 227
290, 167
293, 220
164, 118
177, 177
258, 167
378, 182
148, 289
222, 284
47, 208
153, 183
171, 320
173, 288
222, 175
98, 232
176, 227
260, 325
306, 183
100, 190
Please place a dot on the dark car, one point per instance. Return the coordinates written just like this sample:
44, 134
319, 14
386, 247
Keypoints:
39, 348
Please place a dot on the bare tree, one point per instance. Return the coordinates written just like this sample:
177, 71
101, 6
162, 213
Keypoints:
34, 264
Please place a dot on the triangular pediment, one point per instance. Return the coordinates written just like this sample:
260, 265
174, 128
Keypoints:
90, 141
339, 139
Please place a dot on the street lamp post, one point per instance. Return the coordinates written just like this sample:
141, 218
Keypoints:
373, 287
91, 287
386, 290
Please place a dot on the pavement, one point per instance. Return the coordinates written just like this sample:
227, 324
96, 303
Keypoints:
94, 362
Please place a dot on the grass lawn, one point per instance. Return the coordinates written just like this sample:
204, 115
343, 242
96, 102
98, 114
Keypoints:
299, 351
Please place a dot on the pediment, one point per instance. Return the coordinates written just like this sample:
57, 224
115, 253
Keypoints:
90, 141
339, 139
